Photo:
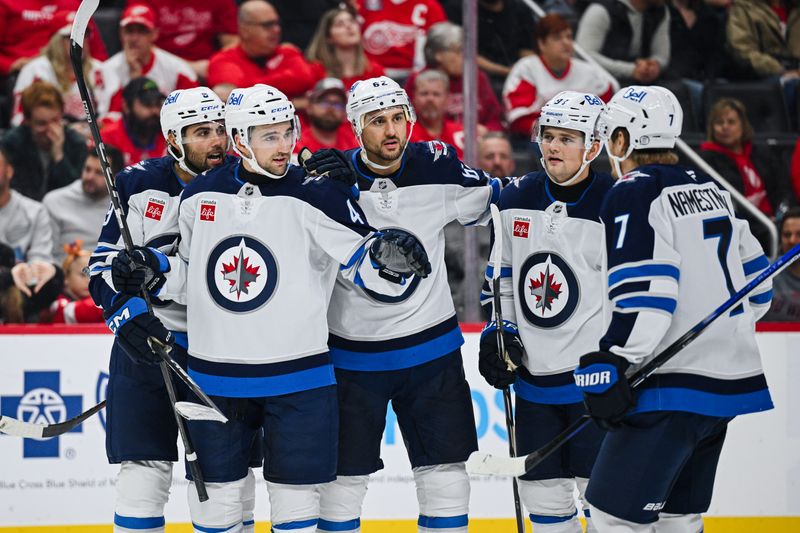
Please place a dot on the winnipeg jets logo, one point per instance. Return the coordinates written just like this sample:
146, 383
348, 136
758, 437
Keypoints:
242, 274
549, 290
239, 274
545, 290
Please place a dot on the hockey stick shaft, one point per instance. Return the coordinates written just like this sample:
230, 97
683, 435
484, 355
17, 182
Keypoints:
79, 25
18, 428
534, 458
501, 350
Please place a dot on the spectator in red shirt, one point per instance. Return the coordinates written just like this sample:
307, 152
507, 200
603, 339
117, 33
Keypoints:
327, 121
796, 170
260, 58
753, 170
394, 32
195, 30
137, 134
337, 50
430, 101
444, 51
140, 57
27, 25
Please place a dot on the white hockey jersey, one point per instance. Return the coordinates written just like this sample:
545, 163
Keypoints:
149, 192
675, 253
373, 332
256, 267
552, 284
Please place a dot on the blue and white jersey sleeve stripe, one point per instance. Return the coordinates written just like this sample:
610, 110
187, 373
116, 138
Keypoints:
753, 263
506, 278
643, 274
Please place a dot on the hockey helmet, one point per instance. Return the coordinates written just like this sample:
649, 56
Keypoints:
373, 94
571, 110
652, 115
256, 106
187, 107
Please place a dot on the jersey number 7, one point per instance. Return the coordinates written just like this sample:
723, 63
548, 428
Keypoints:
721, 228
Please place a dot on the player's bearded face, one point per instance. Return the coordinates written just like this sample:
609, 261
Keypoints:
385, 134
272, 145
562, 151
205, 145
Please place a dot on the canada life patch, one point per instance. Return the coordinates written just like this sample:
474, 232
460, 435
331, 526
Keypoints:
155, 208
522, 227
208, 211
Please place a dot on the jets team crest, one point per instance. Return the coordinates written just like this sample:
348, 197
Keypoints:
241, 274
548, 289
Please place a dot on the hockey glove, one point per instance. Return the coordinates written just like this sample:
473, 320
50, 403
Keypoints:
332, 163
398, 255
606, 391
129, 319
491, 364
142, 266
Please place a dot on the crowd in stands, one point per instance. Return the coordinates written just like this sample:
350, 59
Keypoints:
734, 65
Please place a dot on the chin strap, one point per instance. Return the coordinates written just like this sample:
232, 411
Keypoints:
615, 159
575, 176
258, 169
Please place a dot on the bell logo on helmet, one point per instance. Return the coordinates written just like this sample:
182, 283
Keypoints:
631, 94
235, 98
171, 99
592, 99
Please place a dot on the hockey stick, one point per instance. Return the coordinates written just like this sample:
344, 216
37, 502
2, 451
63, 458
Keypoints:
501, 350
208, 411
18, 428
484, 463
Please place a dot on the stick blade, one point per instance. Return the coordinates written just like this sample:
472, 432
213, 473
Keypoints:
81, 21
11, 426
195, 411
486, 464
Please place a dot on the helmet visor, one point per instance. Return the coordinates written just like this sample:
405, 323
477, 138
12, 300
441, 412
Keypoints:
206, 132
282, 136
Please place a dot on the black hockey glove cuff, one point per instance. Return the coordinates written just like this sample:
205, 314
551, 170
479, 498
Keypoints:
142, 266
332, 163
398, 255
496, 369
129, 319
606, 391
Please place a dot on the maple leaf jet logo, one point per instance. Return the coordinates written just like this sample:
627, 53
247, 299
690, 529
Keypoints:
545, 289
239, 274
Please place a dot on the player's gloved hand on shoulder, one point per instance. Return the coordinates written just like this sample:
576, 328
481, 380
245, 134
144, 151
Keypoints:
491, 364
141, 266
606, 391
330, 162
129, 319
398, 255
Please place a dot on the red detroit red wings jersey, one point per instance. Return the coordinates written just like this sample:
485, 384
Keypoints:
390, 35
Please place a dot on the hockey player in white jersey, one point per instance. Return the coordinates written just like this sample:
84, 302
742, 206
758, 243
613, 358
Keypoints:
552, 288
141, 431
675, 251
405, 349
261, 246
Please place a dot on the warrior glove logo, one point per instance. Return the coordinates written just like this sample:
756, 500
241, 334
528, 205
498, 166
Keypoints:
242, 274
548, 289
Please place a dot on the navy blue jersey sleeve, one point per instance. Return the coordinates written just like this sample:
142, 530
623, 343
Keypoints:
643, 269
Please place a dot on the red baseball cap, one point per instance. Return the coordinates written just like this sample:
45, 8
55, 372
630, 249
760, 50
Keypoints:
138, 14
